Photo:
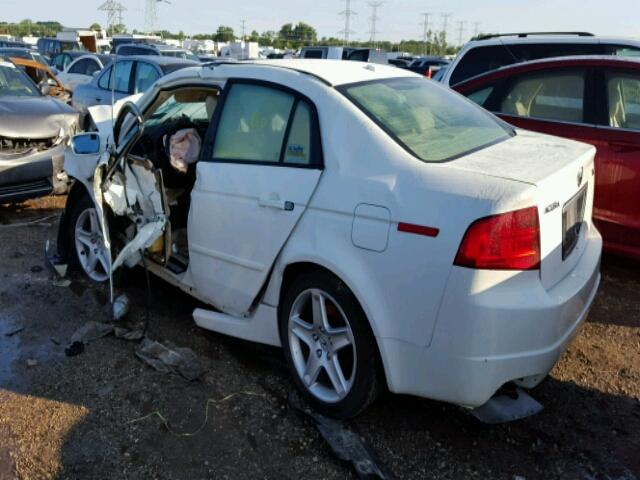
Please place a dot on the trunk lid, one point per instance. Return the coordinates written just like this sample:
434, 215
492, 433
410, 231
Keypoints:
563, 173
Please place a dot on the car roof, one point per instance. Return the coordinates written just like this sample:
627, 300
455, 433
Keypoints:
335, 72
574, 60
159, 60
551, 39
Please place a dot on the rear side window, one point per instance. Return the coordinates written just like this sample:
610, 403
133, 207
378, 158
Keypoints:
621, 50
82, 66
535, 51
105, 80
431, 122
481, 96
556, 95
146, 75
623, 97
480, 60
260, 124
313, 54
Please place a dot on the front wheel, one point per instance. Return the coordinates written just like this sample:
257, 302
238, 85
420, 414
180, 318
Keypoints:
87, 242
328, 345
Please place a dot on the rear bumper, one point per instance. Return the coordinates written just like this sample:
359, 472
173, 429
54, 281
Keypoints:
492, 328
34, 175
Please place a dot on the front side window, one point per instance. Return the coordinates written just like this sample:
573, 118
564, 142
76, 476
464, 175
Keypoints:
481, 96
146, 75
623, 98
555, 95
433, 123
253, 124
105, 80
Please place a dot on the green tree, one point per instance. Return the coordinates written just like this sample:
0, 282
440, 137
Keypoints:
224, 34
255, 36
95, 26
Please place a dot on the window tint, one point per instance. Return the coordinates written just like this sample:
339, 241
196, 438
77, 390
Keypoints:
92, 67
480, 60
534, 51
253, 124
313, 54
105, 80
552, 96
81, 66
623, 95
298, 147
359, 56
146, 75
60, 61
123, 75
621, 50
428, 120
480, 96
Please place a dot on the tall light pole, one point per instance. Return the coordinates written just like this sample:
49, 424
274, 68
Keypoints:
425, 31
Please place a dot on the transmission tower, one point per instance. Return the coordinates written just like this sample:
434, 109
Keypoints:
114, 11
476, 28
347, 13
425, 31
151, 14
461, 26
374, 21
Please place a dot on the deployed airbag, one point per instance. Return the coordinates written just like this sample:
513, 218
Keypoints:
184, 149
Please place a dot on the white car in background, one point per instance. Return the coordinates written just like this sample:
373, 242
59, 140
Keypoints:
381, 228
83, 69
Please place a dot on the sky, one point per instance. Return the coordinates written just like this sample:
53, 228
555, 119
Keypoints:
398, 19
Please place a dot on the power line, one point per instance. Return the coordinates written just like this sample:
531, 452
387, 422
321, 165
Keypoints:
374, 21
244, 25
347, 13
114, 11
461, 25
476, 28
425, 31
445, 22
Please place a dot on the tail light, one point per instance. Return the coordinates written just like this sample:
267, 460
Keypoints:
428, 73
509, 241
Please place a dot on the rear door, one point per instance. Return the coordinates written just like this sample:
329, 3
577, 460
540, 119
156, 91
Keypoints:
260, 166
617, 206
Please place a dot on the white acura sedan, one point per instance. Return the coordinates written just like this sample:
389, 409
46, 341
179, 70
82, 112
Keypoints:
380, 228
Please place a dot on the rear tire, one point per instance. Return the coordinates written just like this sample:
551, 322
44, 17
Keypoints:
328, 344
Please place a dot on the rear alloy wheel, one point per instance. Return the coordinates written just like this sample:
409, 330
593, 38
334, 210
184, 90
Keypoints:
328, 345
91, 254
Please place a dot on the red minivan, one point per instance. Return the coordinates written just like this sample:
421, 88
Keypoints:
591, 99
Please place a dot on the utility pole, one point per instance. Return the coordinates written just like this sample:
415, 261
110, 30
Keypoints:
244, 25
114, 11
476, 28
445, 26
347, 13
374, 21
425, 32
461, 25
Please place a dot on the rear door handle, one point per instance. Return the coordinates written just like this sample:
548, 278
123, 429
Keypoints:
274, 201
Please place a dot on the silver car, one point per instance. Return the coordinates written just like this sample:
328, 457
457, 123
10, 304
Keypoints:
34, 128
133, 74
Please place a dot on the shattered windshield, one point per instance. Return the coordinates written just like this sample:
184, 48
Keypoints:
14, 83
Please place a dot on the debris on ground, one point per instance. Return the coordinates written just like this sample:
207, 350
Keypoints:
14, 332
210, 401
507, 407
31, 362
120, 307
73, 349
345, 443
91, 331
168, 358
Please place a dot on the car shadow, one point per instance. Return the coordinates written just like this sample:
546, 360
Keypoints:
105, 414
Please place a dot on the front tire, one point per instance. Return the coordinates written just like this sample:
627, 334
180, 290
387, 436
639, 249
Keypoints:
88, 251
329, 346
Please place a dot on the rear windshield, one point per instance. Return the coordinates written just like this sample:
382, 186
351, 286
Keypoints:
430, 121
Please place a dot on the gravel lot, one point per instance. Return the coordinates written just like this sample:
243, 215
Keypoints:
82, 417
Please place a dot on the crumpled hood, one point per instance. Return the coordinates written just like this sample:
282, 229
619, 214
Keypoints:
35, 117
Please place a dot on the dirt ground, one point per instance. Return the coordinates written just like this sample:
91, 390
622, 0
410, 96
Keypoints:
92, 416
